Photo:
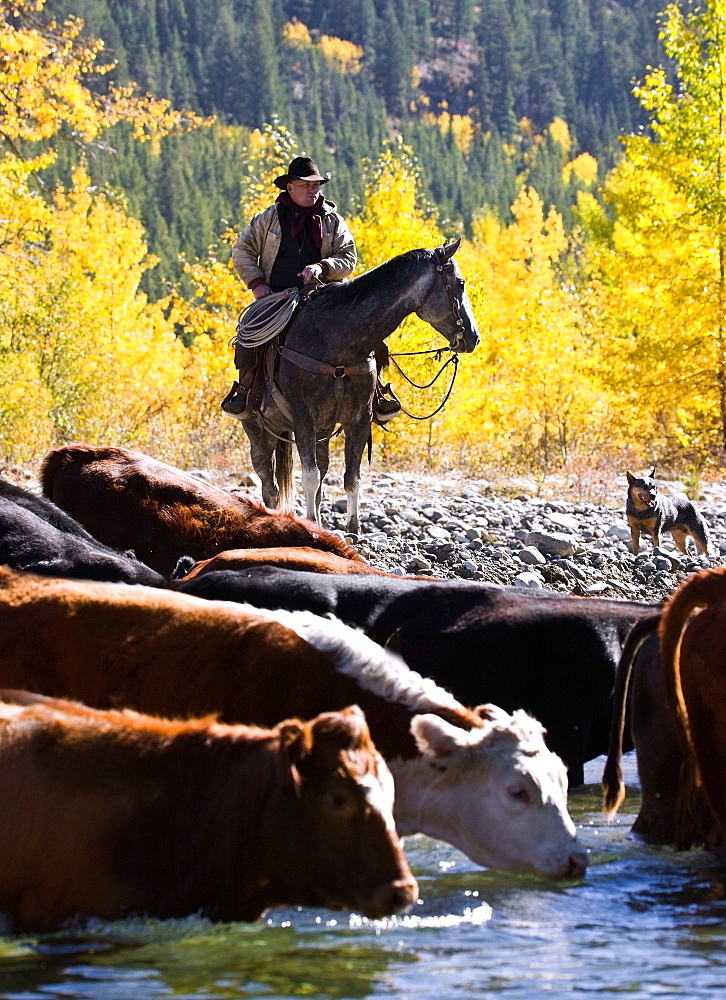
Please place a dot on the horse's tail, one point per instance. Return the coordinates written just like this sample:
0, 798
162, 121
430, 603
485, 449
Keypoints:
283, 474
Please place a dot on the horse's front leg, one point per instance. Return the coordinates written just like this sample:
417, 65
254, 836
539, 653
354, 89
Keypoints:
310, 479
356, 438
262, 445
322, 459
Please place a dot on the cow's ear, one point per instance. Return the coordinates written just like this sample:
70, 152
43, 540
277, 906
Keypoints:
294, 749
346, 729
437, 739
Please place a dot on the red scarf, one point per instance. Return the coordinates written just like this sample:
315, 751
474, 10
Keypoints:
310, 217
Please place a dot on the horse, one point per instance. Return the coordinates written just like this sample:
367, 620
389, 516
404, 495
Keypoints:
329, 345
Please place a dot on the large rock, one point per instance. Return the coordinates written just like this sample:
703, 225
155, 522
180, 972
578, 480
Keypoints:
552, 543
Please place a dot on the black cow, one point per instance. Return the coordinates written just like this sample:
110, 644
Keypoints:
358, 600
38, 537
553, 655
44, 509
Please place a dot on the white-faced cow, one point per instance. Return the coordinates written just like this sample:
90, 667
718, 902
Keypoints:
486, 782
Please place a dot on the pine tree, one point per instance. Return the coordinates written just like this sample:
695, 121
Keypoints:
262, 92
392, 62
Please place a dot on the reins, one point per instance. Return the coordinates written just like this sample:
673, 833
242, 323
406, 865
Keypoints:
453, 360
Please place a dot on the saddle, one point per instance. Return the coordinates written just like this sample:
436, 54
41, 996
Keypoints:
258, 344
257, 370
260, 333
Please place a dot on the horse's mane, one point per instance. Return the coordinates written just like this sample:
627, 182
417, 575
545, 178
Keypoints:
348, 293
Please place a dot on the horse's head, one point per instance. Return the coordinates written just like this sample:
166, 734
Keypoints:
445, 304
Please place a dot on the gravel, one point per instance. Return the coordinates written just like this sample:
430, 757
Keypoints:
473, 530
455, 527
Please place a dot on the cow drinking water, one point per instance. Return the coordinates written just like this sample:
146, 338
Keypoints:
483, 780
112, 813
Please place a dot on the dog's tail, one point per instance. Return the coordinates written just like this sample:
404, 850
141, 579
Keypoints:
700, 533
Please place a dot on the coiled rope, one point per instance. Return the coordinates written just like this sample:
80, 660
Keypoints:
264, 318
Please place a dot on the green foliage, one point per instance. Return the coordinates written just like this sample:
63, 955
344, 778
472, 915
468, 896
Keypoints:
668, 268
495, 63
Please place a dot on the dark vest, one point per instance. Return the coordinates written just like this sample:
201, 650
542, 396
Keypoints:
294, 254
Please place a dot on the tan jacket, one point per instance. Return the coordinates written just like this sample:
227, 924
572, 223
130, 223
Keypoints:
255, 251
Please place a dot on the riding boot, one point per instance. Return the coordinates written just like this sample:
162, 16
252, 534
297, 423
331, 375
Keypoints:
236, 402
386, 404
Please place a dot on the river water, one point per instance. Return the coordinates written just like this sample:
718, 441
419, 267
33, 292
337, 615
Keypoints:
645, 922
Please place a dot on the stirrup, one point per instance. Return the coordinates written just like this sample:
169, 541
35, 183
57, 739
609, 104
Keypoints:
236, 404
386, 404
383, 418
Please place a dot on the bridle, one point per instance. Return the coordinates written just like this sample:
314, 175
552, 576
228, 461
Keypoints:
445, 268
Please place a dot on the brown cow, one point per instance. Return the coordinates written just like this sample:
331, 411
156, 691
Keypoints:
486, 782
639, 687
298, 557
655, 737
112, 813
132, 501
693, 653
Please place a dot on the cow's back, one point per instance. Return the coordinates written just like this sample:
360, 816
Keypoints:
172, 654
300, 558
132, 501
43, 508
553, 656
356, 598
31, 542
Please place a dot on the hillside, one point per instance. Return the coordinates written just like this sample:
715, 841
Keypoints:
473, 88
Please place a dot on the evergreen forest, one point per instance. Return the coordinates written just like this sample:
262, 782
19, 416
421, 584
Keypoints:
487, 95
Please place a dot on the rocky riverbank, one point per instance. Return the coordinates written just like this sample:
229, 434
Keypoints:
453, 526
472, 529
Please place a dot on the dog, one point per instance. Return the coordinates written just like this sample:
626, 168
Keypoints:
650, 513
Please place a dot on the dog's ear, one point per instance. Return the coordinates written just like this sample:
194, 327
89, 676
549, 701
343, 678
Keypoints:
651, 474
631, 478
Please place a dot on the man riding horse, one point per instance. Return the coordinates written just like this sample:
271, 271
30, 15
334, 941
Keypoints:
298, 240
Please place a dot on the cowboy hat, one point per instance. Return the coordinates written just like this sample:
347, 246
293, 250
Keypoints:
302, 168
